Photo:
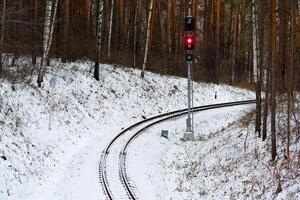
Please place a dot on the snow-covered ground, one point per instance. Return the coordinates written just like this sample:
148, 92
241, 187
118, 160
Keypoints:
227, 162
62, 163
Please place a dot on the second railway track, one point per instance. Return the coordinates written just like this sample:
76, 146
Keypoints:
112, 167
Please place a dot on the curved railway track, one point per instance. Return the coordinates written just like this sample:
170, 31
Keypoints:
121, 158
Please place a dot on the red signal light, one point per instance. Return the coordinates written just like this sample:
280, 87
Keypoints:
189, 42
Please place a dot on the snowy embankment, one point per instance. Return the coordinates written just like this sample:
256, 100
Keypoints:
62, 163
228, 160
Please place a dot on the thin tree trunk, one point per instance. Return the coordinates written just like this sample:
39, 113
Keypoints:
266, 109
129, 25
34, 32
283, 41
217, 39
274, 77
260, 67
268, 82
99, 24
66, 29
110, 29
234, 45
88, 20
2, 34
136, 15
147, 39
122, 16
291, 83
162, 31
169, 13
48, 33
255, 39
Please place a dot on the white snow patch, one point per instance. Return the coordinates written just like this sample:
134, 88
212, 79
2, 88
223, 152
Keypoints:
62, 163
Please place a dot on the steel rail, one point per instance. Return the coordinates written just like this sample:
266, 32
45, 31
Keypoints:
122, 158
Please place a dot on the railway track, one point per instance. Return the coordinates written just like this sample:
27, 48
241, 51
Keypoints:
112, 167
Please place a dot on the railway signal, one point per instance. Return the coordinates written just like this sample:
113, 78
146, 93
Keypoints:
189, 41
189, 45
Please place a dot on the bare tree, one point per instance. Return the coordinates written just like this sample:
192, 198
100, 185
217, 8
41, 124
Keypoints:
147, 39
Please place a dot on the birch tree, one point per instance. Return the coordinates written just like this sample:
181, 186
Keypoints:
2, 33
147, 39
110, 29
47, 38
99, 24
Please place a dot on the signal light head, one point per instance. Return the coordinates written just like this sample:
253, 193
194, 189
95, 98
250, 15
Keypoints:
189, 42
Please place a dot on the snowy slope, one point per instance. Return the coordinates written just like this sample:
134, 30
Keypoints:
232, 163
156, 164
62, 163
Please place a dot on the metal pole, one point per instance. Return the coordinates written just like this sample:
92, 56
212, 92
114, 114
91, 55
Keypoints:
189, 122
189, 46
192, 94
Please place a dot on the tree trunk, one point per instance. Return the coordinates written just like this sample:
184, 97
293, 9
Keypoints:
110, 29
48, 33
274, 77
147, 39
170, 16
34, 32
217, 39
136, 16
291, 82
259, 72
162, 31
66, 30
234, 45
283, 40
88, 20
122, 15
99, 24
2, 34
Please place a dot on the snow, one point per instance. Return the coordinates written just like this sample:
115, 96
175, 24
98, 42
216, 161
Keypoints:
228, 161
170, 152
62, 163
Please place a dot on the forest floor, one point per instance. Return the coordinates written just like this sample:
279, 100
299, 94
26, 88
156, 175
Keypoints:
227, 160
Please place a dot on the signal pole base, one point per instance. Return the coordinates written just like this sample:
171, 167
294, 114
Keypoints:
188, 136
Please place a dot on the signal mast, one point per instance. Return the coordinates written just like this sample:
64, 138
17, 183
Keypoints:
189, 44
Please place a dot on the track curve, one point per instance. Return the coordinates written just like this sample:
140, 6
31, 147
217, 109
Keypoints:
122, 155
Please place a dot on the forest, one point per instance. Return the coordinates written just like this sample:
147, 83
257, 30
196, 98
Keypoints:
249, 43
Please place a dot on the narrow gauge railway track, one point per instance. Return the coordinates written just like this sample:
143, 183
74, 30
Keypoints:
122, 154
